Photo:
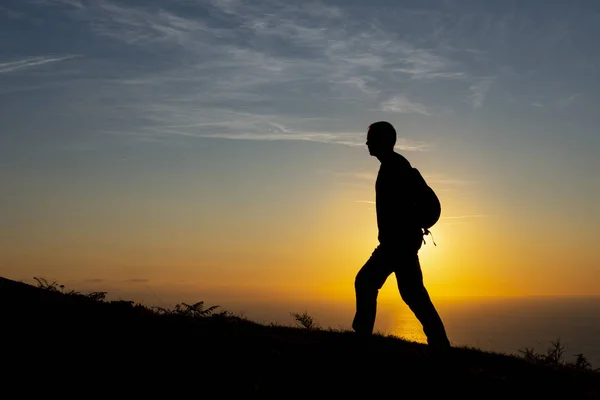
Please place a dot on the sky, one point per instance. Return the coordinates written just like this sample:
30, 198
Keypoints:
164, 150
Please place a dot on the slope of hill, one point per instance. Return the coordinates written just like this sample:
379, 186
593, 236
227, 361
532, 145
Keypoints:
76, 344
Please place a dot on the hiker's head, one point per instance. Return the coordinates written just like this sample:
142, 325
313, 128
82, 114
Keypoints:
381, 138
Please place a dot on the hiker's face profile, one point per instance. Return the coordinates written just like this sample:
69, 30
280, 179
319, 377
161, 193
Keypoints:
375, 144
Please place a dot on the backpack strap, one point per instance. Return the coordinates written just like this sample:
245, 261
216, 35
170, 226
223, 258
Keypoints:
428, 232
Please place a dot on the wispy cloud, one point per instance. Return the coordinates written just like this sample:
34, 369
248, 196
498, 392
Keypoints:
11, 13
323, 137
137, 280
423, 64
478, 91
12, 66
567, 101
401, 104
556, 102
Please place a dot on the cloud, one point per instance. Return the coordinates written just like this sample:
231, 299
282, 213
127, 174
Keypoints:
555, 102
10, 13
567, 101
12, 66
478, 91
324, 137
133, 25
215, 123
401, 104
423, 64
137, 280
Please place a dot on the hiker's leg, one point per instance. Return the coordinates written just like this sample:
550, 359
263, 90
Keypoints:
410, 284
369, 280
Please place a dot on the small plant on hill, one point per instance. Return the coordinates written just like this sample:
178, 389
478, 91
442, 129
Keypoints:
42, 283
306, 321
555, 357
195, 310
581, 362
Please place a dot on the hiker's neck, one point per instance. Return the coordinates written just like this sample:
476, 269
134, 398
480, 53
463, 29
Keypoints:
385, 156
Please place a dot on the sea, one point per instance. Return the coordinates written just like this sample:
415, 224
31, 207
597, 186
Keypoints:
511, 325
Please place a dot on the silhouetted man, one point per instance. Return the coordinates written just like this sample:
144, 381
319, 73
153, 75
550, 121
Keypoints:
399, 242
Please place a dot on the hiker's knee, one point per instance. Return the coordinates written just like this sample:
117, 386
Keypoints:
359, 282
414, 297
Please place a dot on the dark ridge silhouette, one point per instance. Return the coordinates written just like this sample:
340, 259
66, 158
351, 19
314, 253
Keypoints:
67, 343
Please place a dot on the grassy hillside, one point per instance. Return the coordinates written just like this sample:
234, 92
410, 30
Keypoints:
66, 343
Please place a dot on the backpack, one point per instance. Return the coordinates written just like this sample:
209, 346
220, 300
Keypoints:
427, 207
